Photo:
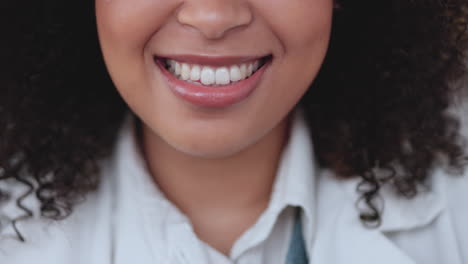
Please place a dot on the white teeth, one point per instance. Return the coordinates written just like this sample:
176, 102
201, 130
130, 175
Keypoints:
185, 72
210, 75
172, 66
222, 76
195, 73
177, 69
243, 71
256, 65
249, 69
207, 76
235, 73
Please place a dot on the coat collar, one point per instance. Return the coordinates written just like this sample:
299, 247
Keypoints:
296, 176
342, 238
292, 187
333, 232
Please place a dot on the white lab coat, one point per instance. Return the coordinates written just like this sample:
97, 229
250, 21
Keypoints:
430, 229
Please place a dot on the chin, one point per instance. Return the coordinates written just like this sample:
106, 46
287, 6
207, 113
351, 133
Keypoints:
210, 149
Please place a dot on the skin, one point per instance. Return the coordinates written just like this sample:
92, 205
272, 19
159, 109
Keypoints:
213, 162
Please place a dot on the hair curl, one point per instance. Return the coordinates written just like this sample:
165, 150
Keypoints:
379, 101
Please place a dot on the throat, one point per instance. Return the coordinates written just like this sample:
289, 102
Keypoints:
230, 223
219, 195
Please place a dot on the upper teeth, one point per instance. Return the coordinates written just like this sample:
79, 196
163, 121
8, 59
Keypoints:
211, 75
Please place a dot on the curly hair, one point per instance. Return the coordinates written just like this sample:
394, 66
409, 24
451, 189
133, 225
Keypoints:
379, 101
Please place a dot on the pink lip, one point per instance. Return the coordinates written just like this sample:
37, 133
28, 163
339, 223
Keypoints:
212, 61
209, 96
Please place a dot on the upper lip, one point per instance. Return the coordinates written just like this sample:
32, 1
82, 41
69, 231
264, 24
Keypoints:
215, 61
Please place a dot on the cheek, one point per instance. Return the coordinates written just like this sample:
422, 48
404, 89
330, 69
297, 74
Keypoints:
125, 27
130, 23
300, 24
303, 27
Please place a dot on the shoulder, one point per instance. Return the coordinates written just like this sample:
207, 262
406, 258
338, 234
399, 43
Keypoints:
442, 214
429, 228
74, 238
454, 189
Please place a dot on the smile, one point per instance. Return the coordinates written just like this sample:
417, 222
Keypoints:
213, 76
213, 82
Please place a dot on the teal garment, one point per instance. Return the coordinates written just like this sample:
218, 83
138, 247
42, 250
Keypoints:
297, 253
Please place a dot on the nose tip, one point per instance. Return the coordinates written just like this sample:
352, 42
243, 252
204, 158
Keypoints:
214, 18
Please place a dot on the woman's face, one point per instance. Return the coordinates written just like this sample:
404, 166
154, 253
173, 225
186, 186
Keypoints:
214, 42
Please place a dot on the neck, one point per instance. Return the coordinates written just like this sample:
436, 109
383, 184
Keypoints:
221, 195
202, 184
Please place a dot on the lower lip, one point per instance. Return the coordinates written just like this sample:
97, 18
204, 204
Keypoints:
213, 96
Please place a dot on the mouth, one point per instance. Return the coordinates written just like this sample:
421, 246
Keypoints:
210, 81
213, 72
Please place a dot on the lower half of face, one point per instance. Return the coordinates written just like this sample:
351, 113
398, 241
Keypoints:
212, 77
